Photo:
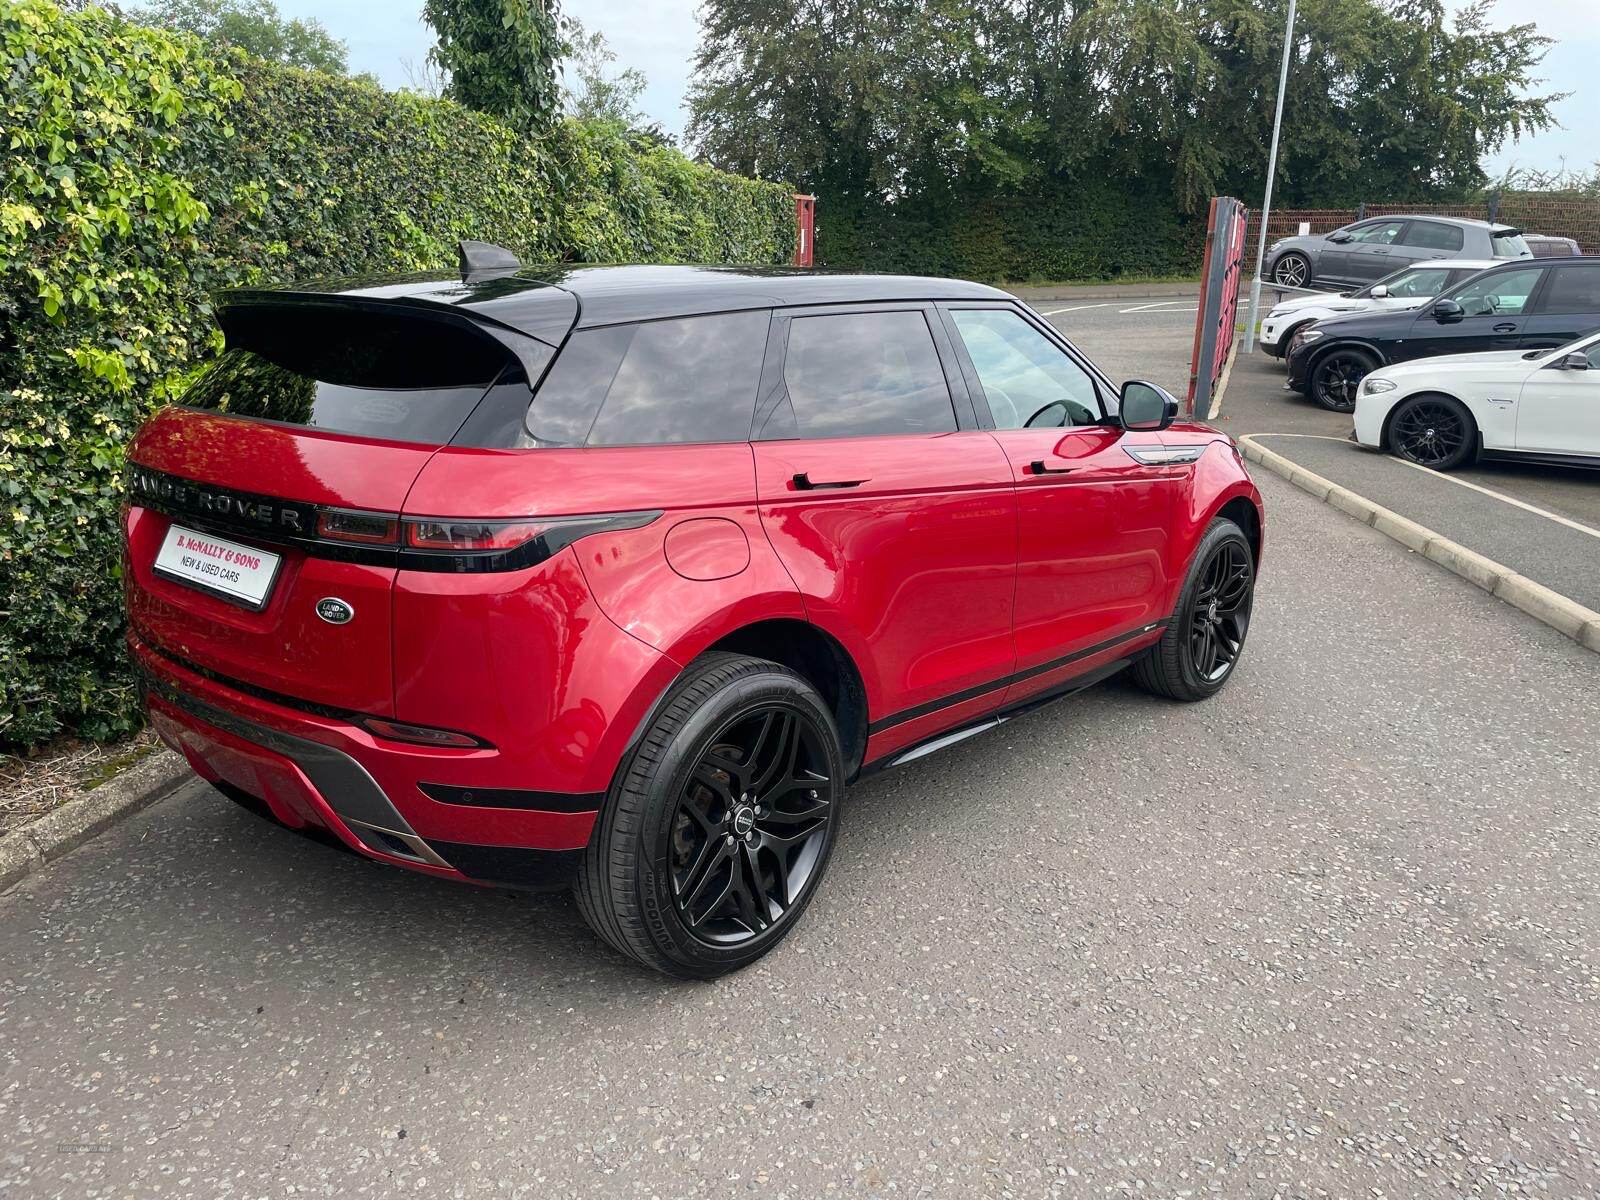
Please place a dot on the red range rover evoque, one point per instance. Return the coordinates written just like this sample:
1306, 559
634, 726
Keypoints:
614, 577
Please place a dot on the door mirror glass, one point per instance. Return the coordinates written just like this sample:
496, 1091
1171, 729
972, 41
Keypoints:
1380, 292
1447, 311
1146, 407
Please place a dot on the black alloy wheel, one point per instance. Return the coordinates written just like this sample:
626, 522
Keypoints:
1292, 270
751, 825
1336, 379
1432, 431
1220, 613
719, 825
1201, 645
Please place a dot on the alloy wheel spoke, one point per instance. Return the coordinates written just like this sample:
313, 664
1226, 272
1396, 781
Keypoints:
712, 856
780, 745
748, 892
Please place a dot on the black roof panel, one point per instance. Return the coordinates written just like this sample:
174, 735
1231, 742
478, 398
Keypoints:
539, 301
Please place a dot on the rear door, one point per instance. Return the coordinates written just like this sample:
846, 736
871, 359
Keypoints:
894, 514
1092, 521
1424, 240
1566, 309
1496, 309
274, 484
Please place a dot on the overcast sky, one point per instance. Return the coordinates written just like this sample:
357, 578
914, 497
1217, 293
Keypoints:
659, 36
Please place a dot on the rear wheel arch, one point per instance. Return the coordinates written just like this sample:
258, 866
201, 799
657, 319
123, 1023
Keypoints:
819, 658
1243, 513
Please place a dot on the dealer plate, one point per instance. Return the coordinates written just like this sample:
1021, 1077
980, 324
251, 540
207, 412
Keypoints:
232, 570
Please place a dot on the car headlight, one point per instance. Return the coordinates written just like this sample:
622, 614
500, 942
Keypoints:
1311, 335
1369, 385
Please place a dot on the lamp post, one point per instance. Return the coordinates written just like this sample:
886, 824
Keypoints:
1266, 203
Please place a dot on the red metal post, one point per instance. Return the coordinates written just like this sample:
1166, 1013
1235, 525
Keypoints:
805, 227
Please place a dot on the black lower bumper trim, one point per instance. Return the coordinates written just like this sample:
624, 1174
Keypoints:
512, 866
521, 798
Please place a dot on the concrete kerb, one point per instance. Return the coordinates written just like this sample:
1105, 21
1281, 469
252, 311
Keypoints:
23, 851
1562, 614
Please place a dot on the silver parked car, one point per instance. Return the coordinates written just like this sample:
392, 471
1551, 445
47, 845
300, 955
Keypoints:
1379, 246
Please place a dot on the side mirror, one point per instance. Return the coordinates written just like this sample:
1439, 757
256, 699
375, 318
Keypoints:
1447, 312
1339, 237
1380, 292
1146, 408
1576, 361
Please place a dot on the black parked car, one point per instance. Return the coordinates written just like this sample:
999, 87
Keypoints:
1516, 306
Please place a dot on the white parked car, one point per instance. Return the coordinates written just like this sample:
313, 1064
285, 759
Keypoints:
1409, 287
1540, 405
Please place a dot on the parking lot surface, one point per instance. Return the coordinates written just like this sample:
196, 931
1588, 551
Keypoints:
1333, 933
1543, 522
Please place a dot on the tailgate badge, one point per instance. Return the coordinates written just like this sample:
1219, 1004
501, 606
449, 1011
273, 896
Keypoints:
334, 610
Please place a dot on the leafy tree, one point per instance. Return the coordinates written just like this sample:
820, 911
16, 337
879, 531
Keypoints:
929, 101
500, 56
594, 93
252, 25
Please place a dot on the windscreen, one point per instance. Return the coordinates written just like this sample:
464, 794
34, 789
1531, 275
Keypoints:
379, 375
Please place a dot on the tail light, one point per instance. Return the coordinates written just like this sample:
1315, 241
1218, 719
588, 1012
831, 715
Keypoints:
458, 536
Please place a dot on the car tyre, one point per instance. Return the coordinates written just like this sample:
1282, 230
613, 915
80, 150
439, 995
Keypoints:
1336, 378
720, 822
1203, 642
1432, 430
1292, 270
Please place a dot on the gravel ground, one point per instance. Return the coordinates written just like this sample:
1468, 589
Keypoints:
1332, 934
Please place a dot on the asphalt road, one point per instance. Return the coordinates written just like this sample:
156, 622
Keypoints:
1334, 933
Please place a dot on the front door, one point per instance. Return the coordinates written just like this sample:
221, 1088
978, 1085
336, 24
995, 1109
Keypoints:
896, 517
1369, 254
1091, 520
1494, 308
1559, 412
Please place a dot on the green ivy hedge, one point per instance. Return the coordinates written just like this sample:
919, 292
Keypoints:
142, 172
1094, 232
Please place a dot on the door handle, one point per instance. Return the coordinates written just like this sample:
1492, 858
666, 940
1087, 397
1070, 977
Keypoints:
1506, 327
1038, 467
803, 482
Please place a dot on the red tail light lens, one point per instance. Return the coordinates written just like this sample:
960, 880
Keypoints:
367, 529
458, 536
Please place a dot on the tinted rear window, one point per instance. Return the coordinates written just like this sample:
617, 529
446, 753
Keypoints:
394, 377
658, 382
1573, 290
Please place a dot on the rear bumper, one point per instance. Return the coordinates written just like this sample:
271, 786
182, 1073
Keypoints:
318, 774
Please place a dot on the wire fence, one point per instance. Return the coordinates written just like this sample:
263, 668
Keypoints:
1549, 214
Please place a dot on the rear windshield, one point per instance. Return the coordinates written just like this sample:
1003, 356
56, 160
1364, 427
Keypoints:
401, 378
1510, 245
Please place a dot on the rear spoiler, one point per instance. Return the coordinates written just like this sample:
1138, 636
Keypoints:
1504, 231
532, 353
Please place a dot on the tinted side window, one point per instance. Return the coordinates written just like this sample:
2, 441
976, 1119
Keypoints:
861, 374
1573, 290
1424, 283
1433, 236
688, 380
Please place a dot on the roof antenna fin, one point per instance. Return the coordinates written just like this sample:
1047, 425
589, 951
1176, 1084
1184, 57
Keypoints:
478, 259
